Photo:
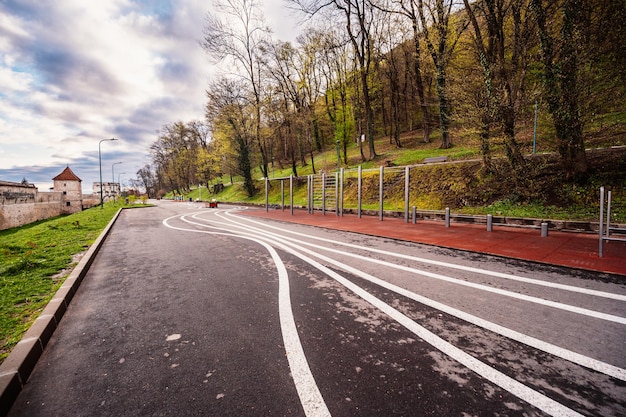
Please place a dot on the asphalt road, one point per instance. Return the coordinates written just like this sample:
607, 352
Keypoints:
189, 311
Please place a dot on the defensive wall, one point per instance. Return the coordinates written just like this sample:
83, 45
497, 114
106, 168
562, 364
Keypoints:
22, 204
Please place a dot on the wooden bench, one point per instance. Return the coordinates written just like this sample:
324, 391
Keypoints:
435, 159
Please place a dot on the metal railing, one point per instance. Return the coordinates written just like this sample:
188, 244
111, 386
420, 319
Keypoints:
325, 193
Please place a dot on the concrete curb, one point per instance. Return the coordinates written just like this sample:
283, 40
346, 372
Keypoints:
17, 367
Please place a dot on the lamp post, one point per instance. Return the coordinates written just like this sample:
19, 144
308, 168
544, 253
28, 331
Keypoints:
118, 181
113, 174
100, 163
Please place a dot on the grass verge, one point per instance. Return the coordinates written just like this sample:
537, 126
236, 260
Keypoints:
35, 259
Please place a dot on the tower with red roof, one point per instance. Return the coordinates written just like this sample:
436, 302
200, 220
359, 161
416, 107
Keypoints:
70, 185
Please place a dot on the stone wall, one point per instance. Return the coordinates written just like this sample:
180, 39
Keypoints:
17, 193
13, 215
21, 204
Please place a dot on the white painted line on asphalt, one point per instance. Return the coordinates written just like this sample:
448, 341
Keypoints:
308, 391
523, 297
571, 288
507, 383
552, 349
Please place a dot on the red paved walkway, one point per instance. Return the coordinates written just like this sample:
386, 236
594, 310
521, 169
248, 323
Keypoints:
578, 250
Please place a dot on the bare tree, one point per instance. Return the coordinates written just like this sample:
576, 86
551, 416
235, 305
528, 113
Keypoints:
391, 66
335, 67
228, 113
285, 60
409, 9
359, 18
148, 180
242, 38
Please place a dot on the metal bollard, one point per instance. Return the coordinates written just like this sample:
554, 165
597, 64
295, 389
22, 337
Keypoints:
489, 222
414, 214
544, 229
447, 216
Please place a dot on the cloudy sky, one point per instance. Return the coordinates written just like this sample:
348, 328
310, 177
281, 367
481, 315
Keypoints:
74, 72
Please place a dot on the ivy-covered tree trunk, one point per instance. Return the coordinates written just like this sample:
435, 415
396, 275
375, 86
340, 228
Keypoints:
439, 11
244, 165
561, 85
444, 107
419, 82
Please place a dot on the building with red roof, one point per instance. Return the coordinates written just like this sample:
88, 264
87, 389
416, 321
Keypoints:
69, 184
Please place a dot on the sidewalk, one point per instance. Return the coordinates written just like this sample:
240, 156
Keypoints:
569, 249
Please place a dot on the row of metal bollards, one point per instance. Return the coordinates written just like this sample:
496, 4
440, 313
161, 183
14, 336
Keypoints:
544, 225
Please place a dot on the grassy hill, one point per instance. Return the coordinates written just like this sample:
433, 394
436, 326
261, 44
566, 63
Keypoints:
461, 183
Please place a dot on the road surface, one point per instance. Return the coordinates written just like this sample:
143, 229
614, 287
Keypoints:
203, 312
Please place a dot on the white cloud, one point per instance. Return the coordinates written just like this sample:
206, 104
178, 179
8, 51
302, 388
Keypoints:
74, 72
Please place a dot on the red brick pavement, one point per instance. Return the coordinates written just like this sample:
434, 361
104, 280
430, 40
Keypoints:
570, 249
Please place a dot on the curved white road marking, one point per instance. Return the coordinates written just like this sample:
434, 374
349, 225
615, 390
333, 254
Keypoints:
552, 349
232, 213
507, 383
308, 391
506, 293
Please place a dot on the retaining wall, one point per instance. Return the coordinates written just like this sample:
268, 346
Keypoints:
13, 215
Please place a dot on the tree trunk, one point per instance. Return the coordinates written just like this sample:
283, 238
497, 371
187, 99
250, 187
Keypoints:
369, 114
561, 87
419, 82
444, 108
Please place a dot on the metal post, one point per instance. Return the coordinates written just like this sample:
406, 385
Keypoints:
414, 214
336, 194
323, 194
312, 194
406, 194
601, 223
380, 193
544, 229
113, 178
447, 216
118, 181
535, 129
341, 175
100, 163
267, 205
308, 194
282, 195
359, 188
489, 222
608, 214
291, 192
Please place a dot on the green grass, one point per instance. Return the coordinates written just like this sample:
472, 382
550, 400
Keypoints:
35, 260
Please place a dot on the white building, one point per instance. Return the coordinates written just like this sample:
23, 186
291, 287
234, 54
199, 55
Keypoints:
110, 190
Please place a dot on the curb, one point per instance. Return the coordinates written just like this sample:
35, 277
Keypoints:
17, 367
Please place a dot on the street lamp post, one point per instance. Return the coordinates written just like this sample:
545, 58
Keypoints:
113, 173
100, 163
118, 181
